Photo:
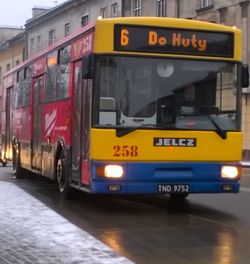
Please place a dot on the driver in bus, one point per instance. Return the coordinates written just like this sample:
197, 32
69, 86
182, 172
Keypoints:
187, 102
189, 95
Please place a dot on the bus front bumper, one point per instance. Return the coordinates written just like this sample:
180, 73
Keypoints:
165, 177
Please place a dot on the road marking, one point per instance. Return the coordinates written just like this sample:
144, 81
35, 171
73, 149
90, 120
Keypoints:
245, 189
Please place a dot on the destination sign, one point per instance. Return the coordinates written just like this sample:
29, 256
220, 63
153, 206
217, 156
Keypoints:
173, 41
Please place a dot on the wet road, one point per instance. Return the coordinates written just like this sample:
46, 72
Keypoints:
212, 229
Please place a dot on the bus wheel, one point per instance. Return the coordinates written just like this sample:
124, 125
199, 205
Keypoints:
17, 169
62, 177
178, 196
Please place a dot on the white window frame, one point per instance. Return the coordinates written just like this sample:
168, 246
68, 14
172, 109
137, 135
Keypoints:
103, 12
206, 3
84, 20
38, 43
7, 66
32, 46
137, 8
52, 37
114, 10
66, 29
161, 10
223, 15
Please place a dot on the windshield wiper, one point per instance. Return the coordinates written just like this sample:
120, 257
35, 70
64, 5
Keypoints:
219, 131
122, 131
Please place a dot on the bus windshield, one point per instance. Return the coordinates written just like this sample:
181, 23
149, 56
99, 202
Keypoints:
165, 93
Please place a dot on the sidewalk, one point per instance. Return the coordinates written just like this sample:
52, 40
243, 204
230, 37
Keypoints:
32, 233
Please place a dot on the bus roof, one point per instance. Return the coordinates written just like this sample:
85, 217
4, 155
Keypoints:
168, 22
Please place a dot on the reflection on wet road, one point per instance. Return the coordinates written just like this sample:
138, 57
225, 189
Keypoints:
209, 229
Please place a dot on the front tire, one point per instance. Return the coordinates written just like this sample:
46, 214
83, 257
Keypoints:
62, 177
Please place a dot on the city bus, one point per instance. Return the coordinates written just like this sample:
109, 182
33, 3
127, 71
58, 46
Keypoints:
102, 110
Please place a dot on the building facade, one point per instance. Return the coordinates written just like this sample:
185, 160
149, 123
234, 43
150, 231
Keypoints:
11, 54
7, 33
56, 23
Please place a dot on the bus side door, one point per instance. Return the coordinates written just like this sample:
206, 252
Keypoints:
36, 162
77, 124
9, 121
81, 128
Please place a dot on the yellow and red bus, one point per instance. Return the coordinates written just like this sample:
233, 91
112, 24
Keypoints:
103, 110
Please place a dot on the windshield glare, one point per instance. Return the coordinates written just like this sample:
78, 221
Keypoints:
168, 93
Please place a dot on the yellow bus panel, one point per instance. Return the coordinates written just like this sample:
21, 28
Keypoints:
157, 145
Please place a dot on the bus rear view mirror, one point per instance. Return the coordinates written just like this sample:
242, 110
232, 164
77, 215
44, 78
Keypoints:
244, 76
88, 66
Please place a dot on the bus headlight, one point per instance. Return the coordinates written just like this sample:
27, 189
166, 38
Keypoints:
230, 172
109, 171
113, 171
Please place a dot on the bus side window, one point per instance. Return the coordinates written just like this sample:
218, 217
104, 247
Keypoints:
27, 86
19, 94
62, 87
50, 80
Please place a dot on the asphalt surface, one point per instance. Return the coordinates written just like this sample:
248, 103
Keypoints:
36, 226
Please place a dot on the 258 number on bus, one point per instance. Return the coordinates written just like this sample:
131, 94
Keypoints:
125, 151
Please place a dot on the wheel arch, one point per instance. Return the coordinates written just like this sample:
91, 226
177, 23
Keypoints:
60, 149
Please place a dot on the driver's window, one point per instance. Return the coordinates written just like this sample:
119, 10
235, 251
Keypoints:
138, 92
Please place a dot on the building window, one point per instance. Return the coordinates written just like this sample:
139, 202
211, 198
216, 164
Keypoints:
161, 8
24, 54
223, 13
244, 9
114, 10
38, 43
103, 12
52, 37
206, 3
32, 46
8, 67
84, 20
137, 7
66, 29
17, 62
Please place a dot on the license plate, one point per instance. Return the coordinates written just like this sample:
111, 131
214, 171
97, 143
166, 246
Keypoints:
173, 188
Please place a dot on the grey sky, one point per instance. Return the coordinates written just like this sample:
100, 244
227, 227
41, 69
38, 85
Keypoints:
16, 12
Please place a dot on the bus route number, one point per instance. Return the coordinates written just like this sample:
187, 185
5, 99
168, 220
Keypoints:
125, 151
124, 37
